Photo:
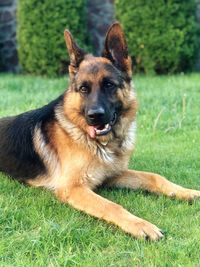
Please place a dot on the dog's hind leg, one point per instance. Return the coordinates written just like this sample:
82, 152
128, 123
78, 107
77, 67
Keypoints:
82, 198
153, 183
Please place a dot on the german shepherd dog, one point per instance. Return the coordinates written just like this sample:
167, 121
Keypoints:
84, 138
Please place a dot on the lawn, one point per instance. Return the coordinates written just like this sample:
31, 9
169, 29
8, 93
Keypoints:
37, 230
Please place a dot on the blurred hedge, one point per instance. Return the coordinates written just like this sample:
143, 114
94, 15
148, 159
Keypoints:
40, 34
162, 35
1, 64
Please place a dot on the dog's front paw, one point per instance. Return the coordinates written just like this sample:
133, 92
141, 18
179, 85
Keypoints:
186, 194
143, 229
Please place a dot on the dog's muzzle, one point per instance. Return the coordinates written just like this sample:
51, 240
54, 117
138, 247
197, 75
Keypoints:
102, 129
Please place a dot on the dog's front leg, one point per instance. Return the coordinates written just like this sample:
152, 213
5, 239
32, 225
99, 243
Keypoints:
86, 200
153, 183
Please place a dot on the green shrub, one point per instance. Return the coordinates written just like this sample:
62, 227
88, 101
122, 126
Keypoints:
1, 66
162, 35
40, 34
1, 62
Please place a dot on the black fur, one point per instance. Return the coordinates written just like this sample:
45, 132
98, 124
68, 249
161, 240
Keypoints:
18, 157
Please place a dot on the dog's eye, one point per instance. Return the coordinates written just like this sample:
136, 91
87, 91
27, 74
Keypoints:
109, 85
83, 89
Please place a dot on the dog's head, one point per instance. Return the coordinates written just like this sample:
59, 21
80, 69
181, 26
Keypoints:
99, 86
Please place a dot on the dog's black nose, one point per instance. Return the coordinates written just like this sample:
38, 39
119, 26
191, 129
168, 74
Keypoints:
96, 113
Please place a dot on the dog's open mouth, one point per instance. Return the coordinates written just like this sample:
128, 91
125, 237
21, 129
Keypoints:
102, 129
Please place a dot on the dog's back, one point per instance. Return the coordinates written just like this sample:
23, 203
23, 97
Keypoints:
18, 157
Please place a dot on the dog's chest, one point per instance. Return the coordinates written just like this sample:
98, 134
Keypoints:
111, 160
100, 170
97, 173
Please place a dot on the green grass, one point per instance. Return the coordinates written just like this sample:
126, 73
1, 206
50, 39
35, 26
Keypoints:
37, 230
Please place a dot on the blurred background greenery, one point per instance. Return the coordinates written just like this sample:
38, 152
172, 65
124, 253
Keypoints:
162, 35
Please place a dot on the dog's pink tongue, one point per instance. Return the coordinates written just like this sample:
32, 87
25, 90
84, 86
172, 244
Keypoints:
92, 131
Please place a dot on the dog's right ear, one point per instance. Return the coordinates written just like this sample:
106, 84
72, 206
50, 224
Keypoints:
76, 53
116, 50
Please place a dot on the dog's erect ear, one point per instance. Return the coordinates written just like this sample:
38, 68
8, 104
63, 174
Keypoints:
76, 53
116, 50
